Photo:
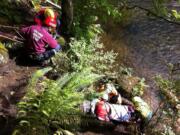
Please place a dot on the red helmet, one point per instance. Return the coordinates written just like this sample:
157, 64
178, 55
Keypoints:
50, 22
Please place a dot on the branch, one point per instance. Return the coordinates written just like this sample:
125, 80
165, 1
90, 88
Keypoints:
9, 38
8, 27
154, 14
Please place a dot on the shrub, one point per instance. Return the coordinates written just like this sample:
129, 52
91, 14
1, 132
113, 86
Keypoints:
91, 54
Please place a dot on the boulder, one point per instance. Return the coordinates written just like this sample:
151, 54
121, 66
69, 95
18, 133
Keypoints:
127, 84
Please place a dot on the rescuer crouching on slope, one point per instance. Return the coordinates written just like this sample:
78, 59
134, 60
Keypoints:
39, 43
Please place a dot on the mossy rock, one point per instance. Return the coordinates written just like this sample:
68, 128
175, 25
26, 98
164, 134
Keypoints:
128, 83
4, 57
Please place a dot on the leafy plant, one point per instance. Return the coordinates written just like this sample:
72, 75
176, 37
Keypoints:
126, 71
62, 63
3, 54
160, 8
84, 54
87, 13
138, 89
176, 15
167, 88
56, 106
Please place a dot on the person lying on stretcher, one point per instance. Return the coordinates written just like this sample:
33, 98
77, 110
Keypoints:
113, 112
113, 107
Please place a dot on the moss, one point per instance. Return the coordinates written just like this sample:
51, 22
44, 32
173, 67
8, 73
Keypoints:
3, 54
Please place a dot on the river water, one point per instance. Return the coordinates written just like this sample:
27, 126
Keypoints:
148, 45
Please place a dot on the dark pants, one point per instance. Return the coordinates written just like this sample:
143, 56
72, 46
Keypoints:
40, 58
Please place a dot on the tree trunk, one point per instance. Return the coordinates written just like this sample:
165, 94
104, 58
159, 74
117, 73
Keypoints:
67, 16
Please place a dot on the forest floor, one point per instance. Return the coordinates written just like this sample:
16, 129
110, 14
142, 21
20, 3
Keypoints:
14, 79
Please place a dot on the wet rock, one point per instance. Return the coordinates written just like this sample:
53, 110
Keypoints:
128, 83
4, 57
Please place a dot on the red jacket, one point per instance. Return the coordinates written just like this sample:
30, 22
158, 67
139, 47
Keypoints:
102, 110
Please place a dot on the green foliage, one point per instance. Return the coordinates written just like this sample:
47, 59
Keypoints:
57, 105
56, 1
87, 12
61, 41
11, 11
61, 62
90, 54
160, 8
2, 48
36, 4
138, 89
4, 57
92, 94
82, 79
86, 54
168, 131
164, 84
176, 15
34, 80
168, 89
135, 86
126, 71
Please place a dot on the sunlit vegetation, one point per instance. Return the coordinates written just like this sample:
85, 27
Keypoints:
52, 106
169, 89
87, 13
161, 8
170, 110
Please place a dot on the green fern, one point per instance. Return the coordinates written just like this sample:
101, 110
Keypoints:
57, 104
